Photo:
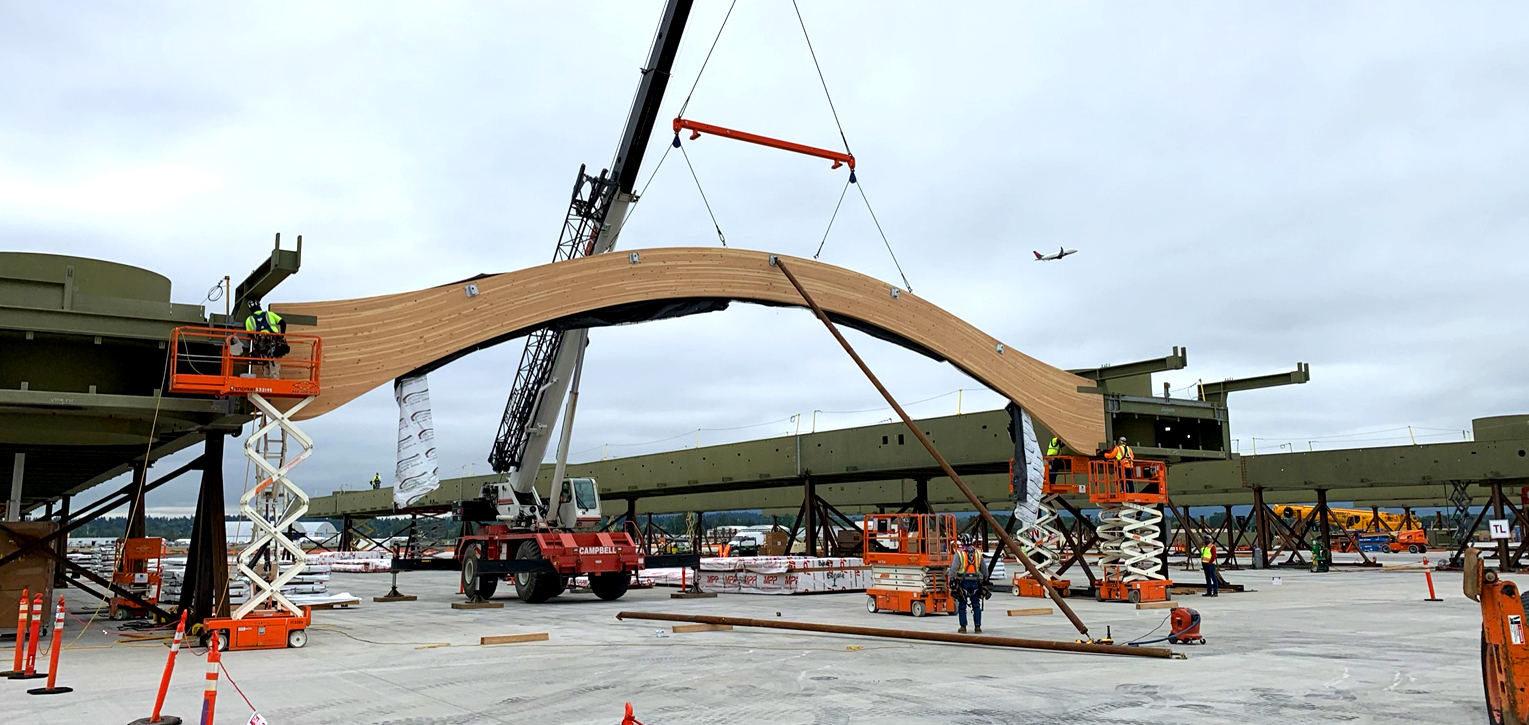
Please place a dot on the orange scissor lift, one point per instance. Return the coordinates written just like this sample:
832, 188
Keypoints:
1128, 494
139, 570
1043, 541
258, 366
909, 556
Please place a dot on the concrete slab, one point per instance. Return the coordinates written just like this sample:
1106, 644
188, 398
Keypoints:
1348, 646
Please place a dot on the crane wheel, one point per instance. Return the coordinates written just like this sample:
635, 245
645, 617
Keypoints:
537, 587
611, 585
1493, 682
481, 588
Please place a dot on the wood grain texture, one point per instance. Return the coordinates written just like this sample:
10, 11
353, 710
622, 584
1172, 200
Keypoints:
370, 341
513, 638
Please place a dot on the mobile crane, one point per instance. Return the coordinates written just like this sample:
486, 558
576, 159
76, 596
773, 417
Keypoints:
513, 533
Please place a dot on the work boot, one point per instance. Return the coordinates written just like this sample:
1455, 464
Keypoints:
961, 630
979, 630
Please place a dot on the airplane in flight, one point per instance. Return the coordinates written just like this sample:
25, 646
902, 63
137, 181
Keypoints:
1058, 254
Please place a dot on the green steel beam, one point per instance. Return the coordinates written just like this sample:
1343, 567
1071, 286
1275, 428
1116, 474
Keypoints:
1216, 392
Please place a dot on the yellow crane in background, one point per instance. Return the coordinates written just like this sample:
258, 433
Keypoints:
1355, 519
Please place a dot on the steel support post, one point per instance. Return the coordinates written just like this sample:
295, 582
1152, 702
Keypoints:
206, 579
1497, 509
1327, 539
61, 546
13, 504
1261, 529
809, 504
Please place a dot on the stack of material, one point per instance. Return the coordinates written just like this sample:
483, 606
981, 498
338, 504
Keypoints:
172, 577
771, 575
353, 562
101, 559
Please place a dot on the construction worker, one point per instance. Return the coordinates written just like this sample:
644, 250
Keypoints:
966, 581
1123, 455
1208, 564
1056, 468
376, 481
270, 345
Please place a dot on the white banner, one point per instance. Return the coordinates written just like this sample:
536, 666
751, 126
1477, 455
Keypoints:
417, 471
1027, 507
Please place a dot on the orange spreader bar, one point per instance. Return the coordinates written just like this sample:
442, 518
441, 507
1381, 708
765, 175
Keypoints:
696, 129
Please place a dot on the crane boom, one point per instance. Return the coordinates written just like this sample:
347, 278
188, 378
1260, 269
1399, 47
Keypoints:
595, 215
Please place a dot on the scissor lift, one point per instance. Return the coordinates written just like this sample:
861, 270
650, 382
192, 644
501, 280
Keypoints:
140, 567
1129, 494
1043, 540
227, 362
909, 556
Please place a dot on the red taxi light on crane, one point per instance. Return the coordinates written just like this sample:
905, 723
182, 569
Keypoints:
697, 128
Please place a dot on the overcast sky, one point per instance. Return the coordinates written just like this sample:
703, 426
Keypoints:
1336, 183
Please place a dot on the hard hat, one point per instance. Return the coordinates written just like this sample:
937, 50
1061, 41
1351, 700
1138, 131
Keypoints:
966, 540
252, 305
1121, 439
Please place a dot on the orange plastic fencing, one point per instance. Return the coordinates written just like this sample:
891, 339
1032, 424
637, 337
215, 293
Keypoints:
212, 361
910, 539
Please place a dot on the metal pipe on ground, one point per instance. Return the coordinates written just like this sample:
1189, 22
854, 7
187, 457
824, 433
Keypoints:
987, 516
1040, 644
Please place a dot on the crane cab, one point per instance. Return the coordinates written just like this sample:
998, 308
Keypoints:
578, 504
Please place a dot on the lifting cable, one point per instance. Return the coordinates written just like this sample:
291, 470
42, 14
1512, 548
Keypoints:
713, 47
676, 143
709, 212
842, 137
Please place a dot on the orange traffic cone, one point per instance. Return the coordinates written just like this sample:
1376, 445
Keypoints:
55, 648
21, 636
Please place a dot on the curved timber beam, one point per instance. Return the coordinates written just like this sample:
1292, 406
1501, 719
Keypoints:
370, 341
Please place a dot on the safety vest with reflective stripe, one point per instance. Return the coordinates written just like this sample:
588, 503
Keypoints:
262, 321
1121, 453
1055, 448
1208, 552
966, 563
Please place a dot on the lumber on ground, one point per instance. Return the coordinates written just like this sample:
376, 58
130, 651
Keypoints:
1040, 644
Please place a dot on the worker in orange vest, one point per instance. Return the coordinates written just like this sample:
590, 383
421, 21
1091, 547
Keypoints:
1123, 455
1208, 563
966, 582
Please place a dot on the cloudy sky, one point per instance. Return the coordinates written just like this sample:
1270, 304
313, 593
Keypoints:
1336, 183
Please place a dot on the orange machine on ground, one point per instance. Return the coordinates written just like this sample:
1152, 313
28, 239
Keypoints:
258, 365
909, 556
1504, 645
138, 571
1129, 495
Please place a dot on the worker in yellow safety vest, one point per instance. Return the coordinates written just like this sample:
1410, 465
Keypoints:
1208, 563
262, 321
272, 343
1056, 467
966, 582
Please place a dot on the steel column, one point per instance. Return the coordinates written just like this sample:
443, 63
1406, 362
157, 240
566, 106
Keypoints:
1502, 544
1327, 540
204, 590
13, 505
809, 504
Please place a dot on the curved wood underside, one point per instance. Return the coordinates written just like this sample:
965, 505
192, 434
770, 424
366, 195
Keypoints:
369, 342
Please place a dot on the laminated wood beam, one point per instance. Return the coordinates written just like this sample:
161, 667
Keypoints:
368, 342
